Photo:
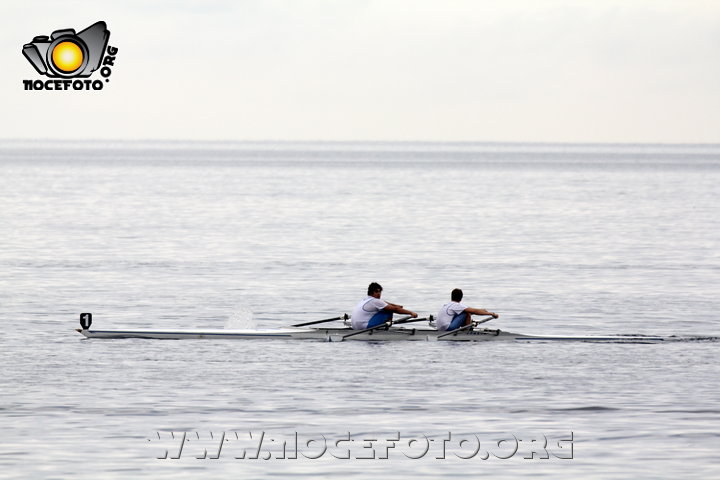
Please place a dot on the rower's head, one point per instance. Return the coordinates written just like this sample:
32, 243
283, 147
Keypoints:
375, 290
456, 295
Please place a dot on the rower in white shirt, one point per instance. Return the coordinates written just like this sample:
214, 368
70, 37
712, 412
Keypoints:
454, 315
371, 311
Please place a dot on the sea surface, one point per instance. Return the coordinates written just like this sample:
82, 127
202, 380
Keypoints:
576, 239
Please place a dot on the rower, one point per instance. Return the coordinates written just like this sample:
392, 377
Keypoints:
371, 311
454, 315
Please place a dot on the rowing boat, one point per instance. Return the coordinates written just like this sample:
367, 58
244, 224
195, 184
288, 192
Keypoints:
339, 334
344, 333
294, 333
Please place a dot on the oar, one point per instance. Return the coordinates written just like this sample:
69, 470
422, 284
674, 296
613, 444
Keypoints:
376, 327
410, 320
466, 327
344, 317
484, 320
456, 331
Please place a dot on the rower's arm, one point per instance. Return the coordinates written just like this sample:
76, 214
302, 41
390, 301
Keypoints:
481, 311
398, 309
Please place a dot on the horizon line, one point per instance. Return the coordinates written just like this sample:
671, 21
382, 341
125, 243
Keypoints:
345, 142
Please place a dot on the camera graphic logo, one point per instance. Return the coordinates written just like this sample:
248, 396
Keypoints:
68, 57
67, 54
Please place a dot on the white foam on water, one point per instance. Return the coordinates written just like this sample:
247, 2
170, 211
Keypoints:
241, 319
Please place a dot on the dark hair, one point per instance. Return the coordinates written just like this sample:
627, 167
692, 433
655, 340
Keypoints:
456, 295
374, 287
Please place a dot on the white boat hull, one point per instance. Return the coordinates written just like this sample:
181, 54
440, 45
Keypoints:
340, 334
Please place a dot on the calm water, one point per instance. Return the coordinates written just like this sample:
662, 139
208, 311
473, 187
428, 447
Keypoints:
559, 239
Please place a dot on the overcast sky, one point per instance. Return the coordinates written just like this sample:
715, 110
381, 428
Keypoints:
430, 70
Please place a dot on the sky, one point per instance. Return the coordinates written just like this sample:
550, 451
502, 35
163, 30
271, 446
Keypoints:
627, 71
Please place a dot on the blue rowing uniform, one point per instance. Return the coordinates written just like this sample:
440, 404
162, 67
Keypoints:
458, 321
379, 318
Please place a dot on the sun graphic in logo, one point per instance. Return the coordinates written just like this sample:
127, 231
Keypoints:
67, 56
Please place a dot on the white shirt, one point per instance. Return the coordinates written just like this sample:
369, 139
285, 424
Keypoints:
447, 313
365, 310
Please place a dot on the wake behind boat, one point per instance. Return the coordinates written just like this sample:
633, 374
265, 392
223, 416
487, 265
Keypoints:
382, 333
